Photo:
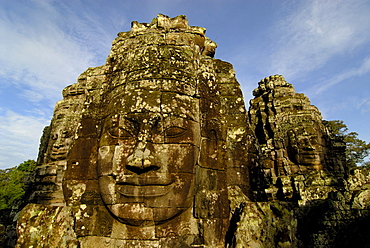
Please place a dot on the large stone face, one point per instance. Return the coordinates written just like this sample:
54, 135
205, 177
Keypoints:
156, 149
147, 145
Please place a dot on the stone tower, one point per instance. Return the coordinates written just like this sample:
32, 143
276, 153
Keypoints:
155, 148
294, 142
145, 150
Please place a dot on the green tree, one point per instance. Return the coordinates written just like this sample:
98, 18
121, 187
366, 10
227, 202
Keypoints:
12, 183
356, 149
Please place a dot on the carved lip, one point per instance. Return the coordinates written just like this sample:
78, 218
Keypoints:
142, 180
58, 155
152, 186
59, 151
145, 190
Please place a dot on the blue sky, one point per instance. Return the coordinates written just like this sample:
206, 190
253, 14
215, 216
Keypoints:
322, 47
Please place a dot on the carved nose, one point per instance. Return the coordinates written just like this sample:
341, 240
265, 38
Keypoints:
58, 144
309, 148
141, 160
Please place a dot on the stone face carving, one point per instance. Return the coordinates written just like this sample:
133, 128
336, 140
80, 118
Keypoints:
58, 138
296, 146
289, 128
291, 132
147, 156
152, 142
156, 149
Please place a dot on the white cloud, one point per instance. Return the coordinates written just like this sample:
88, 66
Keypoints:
44, 46
318, 31
38, 51
353, 72
364, 105
20, 136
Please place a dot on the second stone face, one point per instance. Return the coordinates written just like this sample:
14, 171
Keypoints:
290, 130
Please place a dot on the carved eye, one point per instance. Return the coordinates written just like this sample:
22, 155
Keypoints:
118, 132
174, 132
65, 134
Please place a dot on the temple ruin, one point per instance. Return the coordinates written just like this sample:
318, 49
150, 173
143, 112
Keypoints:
156, 148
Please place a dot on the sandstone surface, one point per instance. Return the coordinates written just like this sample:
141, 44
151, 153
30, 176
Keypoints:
155, 148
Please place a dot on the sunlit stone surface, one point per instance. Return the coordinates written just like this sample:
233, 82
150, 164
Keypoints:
156, 149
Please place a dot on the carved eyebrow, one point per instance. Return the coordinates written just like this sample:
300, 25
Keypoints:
181, 116
132, 120
119, 129
175, 121
113, 122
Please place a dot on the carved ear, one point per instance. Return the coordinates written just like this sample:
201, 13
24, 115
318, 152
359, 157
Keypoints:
210, 152
212, 142
211, 176
291, 147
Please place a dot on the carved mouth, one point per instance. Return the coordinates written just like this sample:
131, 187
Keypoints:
61, 154
309, 155
145, 186
58, 152
145, 191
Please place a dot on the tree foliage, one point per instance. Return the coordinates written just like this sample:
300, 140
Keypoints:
12, 183
357, 150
